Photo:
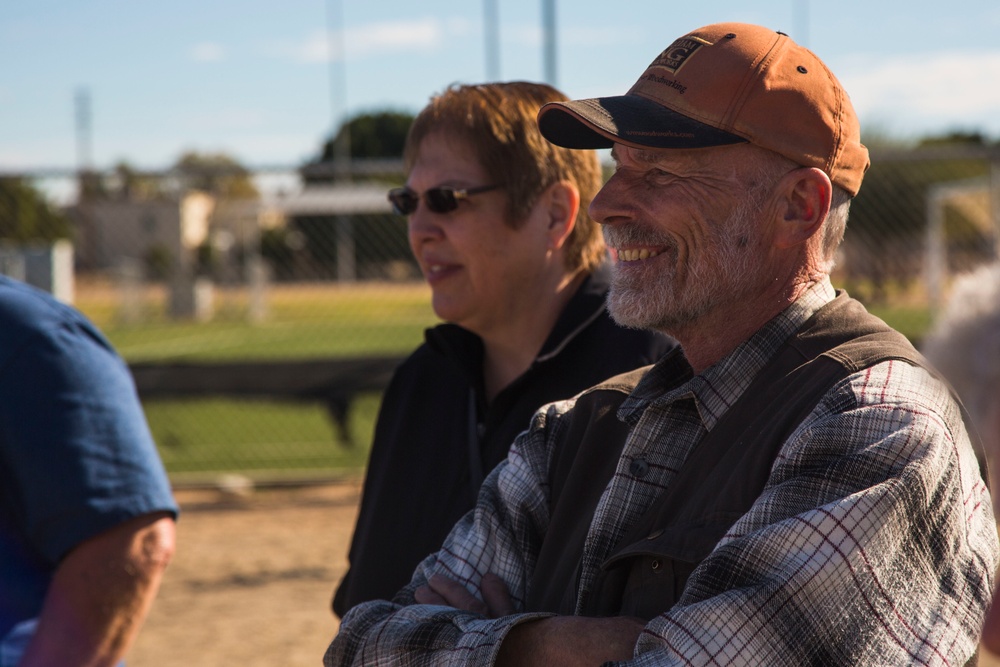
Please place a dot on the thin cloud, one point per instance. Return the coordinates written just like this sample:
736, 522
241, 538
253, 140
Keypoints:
227, 120
599, 37
374, 39
460, 27
532, 36
942, 89
207, 52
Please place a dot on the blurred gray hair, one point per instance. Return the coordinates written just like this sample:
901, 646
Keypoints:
964, 345
835, 226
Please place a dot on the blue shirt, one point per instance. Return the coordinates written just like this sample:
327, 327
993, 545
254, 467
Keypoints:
76, 454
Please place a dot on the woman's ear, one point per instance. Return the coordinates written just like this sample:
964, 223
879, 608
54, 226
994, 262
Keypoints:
805, 204
562, 201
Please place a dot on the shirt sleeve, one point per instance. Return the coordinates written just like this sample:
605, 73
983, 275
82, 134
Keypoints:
75, 438
873, 537
501, 535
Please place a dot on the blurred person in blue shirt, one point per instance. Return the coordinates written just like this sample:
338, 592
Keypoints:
86, 510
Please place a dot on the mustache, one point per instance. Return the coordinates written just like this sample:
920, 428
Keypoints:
628, 235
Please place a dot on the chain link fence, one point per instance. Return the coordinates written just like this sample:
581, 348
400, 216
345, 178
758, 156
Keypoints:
262, 328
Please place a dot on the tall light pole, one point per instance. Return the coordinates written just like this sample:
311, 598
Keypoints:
338, 88
491, 39
801, 22
549, 37
85, 173
343, 224
83, 143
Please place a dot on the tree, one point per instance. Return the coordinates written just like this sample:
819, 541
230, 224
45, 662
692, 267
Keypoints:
376, 138
373, 135
214, 173
130, 184
25, 214
955, 138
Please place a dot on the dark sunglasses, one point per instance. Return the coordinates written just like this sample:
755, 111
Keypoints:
439, 200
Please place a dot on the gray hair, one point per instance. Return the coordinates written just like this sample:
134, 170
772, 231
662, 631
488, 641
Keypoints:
771, 167
835, 226
964, 345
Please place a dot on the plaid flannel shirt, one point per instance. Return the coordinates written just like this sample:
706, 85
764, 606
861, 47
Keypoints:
873, 541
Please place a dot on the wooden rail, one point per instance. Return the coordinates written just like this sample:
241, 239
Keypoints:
334, 382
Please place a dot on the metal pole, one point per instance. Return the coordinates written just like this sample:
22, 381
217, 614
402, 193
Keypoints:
83, 144
936, 258
85, 178
801, 22
491, 39
995, 199
338, 89
549, 32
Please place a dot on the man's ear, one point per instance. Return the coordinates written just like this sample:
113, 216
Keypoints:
805, 203
562, 203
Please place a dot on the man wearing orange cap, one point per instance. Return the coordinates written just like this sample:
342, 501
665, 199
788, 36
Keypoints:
794, 487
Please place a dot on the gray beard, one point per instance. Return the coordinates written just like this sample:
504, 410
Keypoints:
717, 274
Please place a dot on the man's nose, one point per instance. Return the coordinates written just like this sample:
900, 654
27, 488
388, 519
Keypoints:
606, 207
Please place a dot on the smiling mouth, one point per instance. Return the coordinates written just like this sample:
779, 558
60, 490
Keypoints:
438, 267
436, 271
635, 254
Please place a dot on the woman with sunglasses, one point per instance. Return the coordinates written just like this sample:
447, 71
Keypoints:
497, 220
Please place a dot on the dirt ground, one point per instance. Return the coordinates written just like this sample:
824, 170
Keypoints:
251, 582
252, 579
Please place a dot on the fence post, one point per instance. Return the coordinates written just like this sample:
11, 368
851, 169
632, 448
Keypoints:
995, 199
128, 279
257, 279
346, 259
936, 258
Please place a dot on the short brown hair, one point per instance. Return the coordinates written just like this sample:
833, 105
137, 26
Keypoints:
497, 121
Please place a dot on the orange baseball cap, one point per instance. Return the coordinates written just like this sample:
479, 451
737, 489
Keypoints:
723, 84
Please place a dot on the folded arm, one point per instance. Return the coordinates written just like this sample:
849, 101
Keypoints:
496, 537
556, 641
873, 537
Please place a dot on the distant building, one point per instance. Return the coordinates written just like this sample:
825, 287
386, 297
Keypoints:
109, 232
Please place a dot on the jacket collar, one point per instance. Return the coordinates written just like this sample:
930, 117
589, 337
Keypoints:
466, 348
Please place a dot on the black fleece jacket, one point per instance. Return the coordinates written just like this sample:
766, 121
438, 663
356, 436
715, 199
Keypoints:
436, 437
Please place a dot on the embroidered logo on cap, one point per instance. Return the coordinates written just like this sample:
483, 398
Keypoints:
675, 55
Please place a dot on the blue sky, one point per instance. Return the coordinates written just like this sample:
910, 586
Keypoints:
253, 78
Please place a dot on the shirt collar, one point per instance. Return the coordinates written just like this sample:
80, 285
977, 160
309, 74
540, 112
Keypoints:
717, 387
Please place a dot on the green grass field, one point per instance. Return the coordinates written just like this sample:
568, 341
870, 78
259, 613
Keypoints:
195, 436
911, 321
265, 437
271, 438
305, 321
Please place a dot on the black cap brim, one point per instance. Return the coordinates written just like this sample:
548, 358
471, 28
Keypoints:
627, 119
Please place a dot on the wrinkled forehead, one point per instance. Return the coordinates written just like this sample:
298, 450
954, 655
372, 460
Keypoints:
720, 157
